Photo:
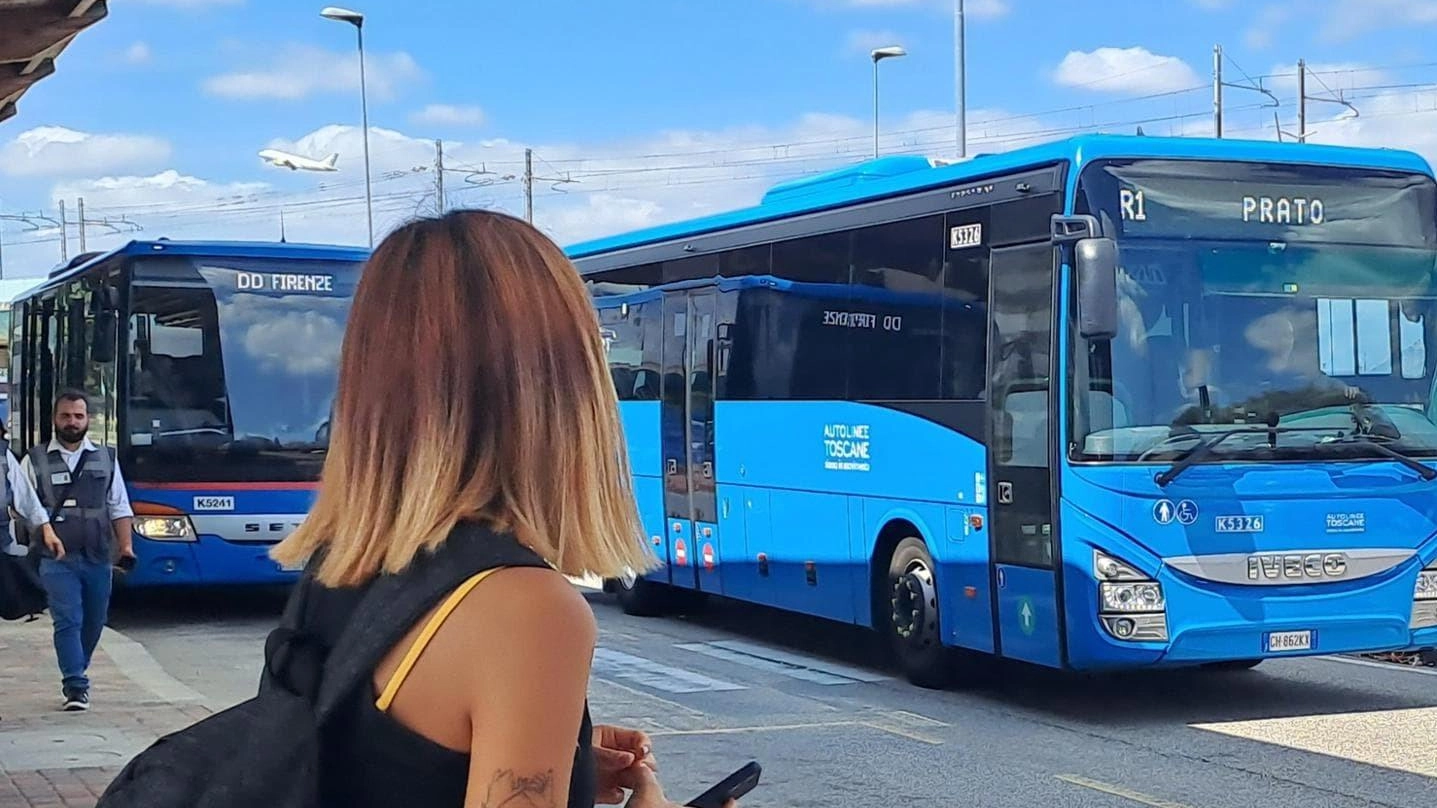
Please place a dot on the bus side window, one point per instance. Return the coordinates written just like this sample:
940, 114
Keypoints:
1412, 336
965, 305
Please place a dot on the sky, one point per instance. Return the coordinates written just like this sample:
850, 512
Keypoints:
641, 112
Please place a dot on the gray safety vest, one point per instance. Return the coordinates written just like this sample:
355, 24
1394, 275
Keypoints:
78, 503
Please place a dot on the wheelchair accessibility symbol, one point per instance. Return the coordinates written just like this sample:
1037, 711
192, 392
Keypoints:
1187, 512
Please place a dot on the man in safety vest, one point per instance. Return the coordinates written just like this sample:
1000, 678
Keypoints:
80, 487
20, 500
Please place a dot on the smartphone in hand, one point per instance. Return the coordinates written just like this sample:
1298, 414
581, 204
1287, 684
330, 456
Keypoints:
730, 788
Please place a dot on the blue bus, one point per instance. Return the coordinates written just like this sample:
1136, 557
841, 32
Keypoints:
1109, 402
211, 369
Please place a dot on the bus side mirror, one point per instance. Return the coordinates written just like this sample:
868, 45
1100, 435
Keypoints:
1096, 262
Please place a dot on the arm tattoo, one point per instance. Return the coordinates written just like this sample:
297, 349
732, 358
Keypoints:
512, 791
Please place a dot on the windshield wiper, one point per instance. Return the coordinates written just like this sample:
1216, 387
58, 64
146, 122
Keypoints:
1206, 447
1197, 453
1379, 442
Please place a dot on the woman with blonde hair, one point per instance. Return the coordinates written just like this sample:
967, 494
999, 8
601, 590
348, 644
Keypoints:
476, 459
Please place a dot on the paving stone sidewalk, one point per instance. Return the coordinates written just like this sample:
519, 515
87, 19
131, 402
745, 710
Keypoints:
55, 759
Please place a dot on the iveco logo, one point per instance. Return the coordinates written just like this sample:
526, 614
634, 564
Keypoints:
1296, 566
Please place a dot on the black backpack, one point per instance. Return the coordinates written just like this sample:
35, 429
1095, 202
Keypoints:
266, 751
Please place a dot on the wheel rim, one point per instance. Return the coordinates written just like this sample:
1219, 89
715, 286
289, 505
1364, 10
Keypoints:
915, 605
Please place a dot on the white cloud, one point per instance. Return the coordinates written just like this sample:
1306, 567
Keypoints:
1125, 70
1268, 22
168, 188
138, 53
297, 71
54, 151
448, 115
864, 42
1349, 19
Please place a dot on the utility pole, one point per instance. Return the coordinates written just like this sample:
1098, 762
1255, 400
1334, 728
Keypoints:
2, 244
64, 235
82, 224
529, 185
439, 174
960, 78
1217, 89
1301, 100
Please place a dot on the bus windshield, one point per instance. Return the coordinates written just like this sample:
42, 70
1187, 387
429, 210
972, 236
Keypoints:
1323, 326
232, 367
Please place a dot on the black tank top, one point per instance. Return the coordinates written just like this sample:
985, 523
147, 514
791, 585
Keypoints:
370, 760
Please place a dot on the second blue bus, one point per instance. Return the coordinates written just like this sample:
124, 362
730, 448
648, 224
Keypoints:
1110, 402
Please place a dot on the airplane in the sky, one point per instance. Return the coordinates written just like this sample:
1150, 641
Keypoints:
295, 162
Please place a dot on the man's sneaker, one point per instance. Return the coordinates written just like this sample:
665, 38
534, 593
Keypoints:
76, 700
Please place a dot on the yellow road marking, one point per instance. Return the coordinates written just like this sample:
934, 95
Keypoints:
1119, 791
912, 736
922, 719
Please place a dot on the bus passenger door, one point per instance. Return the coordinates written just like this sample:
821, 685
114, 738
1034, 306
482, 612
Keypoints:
674, 421
703, 343
1020, 433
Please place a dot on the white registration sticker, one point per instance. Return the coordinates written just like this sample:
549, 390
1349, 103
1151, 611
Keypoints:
1289, 641
202, 504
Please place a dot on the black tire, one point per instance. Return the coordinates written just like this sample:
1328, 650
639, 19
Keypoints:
1234, 665
911, 619
642, 597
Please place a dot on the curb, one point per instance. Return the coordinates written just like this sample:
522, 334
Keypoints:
140, 667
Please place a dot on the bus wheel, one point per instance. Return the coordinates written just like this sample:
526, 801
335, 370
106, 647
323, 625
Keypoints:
641, 597
913, 617
1234, 665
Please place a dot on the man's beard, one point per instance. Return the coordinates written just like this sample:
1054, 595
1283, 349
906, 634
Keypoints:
71, 434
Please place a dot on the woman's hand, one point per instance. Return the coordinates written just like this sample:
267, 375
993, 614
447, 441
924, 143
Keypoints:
615, 750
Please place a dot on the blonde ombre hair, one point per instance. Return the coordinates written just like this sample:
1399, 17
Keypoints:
473, 385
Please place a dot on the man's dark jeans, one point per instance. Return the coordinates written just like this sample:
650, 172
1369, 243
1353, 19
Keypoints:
79, 592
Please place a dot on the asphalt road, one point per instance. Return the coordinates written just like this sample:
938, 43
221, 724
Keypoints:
833, 726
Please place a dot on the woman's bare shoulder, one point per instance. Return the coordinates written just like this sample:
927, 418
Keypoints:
532, 615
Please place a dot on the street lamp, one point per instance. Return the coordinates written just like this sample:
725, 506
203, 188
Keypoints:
357, 20
879, 54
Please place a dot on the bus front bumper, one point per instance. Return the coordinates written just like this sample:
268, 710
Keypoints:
206, 561
1207, 623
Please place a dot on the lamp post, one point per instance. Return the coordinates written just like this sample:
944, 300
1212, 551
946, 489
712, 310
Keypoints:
357, 20
879, 54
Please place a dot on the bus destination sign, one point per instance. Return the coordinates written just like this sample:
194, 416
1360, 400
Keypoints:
284, 282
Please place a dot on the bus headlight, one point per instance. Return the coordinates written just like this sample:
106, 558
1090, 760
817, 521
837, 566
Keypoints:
1125, 598
1131, 605
1424, 599
1426, 585
165, 528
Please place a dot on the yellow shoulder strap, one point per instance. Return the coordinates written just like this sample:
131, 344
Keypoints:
422, 641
